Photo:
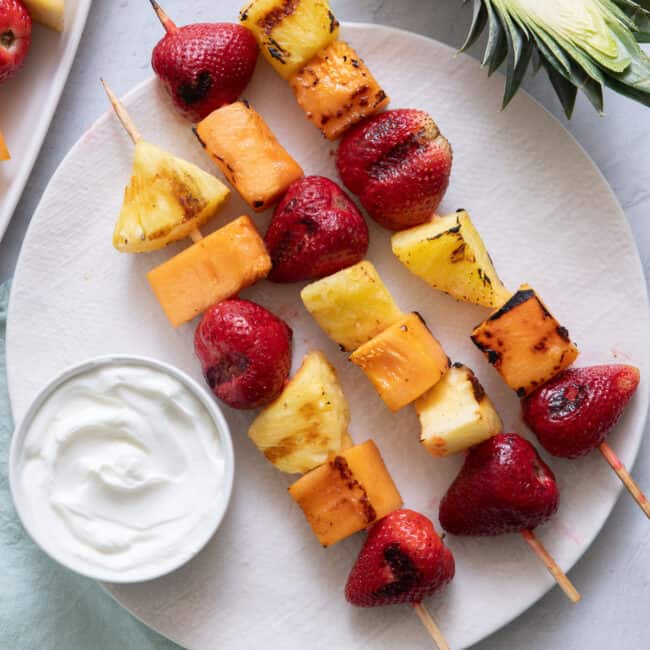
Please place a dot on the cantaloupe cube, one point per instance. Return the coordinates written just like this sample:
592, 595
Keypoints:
249, 155
4, 152
346, 494
290, 32
402, 362
524, 342
456, 413
351, 306
336, 90
211, 270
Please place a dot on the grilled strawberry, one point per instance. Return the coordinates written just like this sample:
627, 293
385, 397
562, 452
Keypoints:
205, 65
403, 560
245, 352
15, 37
503, 487
573, 413
398, 163
316, 230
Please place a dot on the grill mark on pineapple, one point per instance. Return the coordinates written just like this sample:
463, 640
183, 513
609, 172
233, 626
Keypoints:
477, 387
273, 18
334, 23
192, 205
340, 465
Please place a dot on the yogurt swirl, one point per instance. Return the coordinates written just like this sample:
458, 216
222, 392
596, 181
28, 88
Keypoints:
122, 471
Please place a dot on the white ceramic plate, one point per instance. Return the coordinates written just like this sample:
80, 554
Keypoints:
28, 101
547, 216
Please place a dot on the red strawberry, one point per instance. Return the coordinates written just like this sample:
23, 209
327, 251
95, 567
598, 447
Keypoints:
398, 163
573, 412
503, 487
15, 36
245, 352
402, 561
316, 230
205, 65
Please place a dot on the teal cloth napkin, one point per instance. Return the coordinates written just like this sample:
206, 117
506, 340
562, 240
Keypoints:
42, 605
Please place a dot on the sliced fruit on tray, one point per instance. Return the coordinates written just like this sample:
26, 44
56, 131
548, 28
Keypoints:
308, 422
398, 164
166, 199
573, 412
245, 352
524, 342
213, 269
316, 230
352, 305
449, 254
456, 413
15, 37
243, 146
204, 65
503, 487
403, 361
336, 90
290, 32
346, 494
49, 13
403, 560
4, 151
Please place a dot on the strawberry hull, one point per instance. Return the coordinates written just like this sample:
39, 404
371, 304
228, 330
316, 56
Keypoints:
399, 164
572, 414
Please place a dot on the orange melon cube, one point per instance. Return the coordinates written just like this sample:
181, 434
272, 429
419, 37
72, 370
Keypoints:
346, 494
336, 90
524, 342
4, 152
403, 362
211, 270
243, 146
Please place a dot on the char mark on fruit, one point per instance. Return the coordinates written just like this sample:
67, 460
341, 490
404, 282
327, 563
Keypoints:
477, 388
271, 20
231, 365
567, 400
405, 574
518, 299
341, 466
194, 92
390, 162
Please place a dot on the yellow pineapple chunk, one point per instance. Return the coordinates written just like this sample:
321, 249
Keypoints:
336, 90
290, 32
47, 12
307, 422
4, 152
243, 146
524, 342
165, 200
456, 413
351, 306
346, 494
402, 362
448, 254
211, 270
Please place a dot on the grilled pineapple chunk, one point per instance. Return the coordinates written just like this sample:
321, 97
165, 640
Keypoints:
346, 494
524, 342
165, 200
4, 152
448, 254
402, 362
307, 422
290, 32
351, 306
456, 413
336, 90
47, 12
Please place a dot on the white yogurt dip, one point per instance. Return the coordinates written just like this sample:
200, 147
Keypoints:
122, 472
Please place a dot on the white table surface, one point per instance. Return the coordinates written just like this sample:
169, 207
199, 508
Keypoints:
614, 575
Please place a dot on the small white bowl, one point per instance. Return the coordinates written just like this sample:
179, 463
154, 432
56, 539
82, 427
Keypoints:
18, 441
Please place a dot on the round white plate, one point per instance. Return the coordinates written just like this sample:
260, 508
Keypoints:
548, 218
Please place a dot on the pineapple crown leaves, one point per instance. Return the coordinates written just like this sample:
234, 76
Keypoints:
581, 44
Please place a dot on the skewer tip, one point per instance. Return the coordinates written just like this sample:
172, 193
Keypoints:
165, 20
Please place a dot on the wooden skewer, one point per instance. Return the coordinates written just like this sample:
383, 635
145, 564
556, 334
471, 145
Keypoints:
134, 134
624, 475
431, 626
541, 552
